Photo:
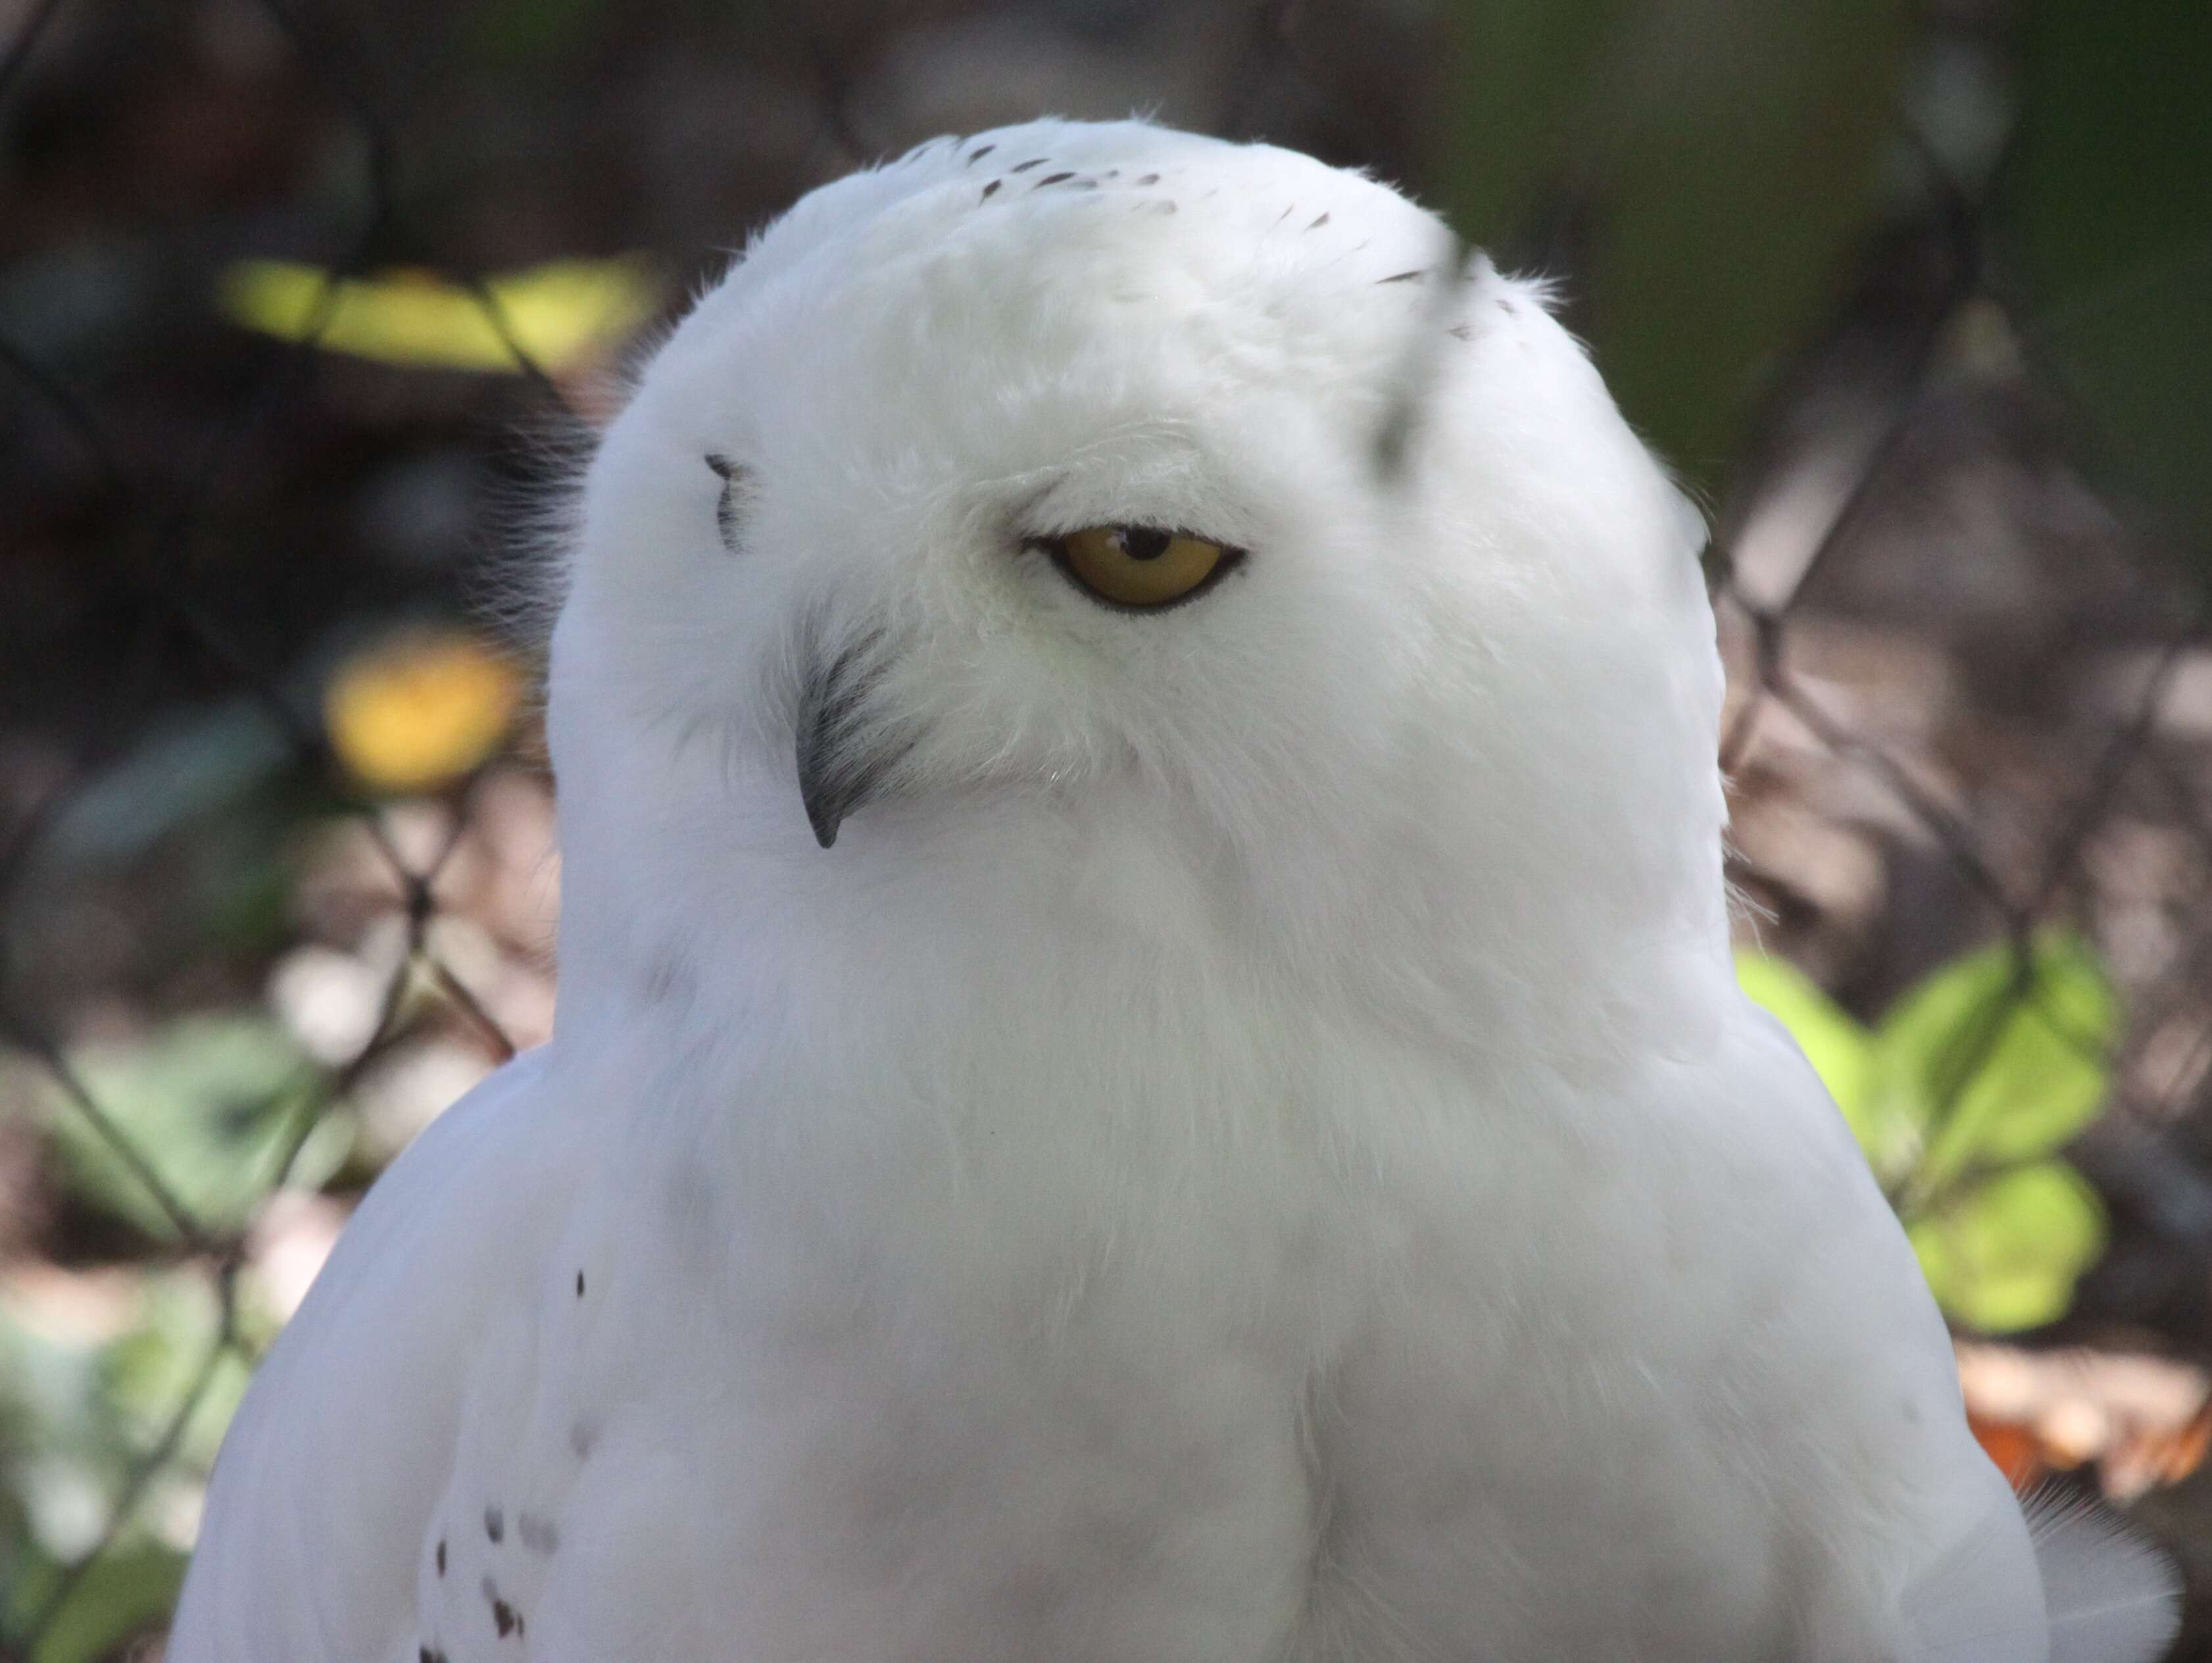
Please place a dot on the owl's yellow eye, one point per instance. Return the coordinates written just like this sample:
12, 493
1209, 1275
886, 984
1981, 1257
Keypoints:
1140, 566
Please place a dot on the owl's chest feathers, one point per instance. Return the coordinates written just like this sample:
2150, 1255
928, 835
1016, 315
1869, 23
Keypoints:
1036, 1151
1111, 1283
1092, 1269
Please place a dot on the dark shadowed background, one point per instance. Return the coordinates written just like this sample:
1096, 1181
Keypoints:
303, 302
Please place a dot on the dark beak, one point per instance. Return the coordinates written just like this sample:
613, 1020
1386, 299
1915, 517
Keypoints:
841, 762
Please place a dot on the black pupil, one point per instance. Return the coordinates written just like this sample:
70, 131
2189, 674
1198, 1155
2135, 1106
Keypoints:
1142, 543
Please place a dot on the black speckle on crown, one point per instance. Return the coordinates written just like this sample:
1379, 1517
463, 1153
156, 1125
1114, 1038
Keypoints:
495, 1524
440, 1556
1149, 179
1402, 276
1318, 223
1052, 179
979, 153
990, 189
1024, 167
579, 1284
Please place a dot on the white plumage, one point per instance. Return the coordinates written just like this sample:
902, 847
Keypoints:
1248, 1148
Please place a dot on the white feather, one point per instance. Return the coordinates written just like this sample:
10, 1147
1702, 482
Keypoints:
2112, 1596
1981, 1601
1249, 1147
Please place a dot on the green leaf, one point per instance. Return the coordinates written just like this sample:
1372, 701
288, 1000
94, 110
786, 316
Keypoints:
2105, 222
1527, 72
530, 34
208, 1100
2000, 1062
1720, 159
129, 1588
2006, 1255
85, 1392
1840, 1049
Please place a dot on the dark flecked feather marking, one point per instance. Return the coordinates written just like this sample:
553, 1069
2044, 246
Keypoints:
504, 1616
1024, 167
726, 506
539, 1535
495, 1524
989, 188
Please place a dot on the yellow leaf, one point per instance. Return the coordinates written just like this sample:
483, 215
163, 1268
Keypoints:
420, 709
562, 314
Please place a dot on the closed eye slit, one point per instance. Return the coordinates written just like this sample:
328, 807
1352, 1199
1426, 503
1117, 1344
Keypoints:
727, 505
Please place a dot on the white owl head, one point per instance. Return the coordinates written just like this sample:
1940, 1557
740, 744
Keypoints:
1021, 506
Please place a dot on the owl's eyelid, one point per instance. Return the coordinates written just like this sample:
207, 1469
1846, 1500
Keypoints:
1042, 539
1066, 498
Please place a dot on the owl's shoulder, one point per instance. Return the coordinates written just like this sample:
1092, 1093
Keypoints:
348, 1433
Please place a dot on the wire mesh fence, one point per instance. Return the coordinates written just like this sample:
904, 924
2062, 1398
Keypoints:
1970, 741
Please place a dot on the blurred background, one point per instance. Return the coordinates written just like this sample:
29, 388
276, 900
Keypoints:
303, 304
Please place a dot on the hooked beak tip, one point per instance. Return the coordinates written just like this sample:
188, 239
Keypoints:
824, 811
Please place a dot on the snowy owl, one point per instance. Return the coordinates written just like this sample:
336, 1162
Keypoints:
1147, 1067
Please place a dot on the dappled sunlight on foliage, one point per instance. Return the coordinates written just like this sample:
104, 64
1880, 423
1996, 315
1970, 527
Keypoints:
560, 317
1960, 1098
420, 709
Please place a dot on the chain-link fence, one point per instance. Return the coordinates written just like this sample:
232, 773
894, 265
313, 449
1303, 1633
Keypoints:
1969, 737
